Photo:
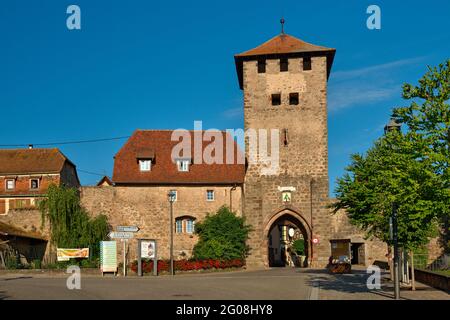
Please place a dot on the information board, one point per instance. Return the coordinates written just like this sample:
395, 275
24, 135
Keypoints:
108, 256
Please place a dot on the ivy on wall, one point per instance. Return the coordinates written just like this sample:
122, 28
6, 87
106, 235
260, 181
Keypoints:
70, 224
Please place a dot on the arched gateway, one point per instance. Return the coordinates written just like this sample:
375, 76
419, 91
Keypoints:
284, 231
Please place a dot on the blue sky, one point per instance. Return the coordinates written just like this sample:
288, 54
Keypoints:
163, 64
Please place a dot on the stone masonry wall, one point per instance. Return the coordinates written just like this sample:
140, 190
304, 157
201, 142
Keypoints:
302, 160
148, 208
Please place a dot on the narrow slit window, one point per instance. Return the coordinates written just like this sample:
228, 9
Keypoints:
284, 64
307, 63
276, 99
261, 66
293, 98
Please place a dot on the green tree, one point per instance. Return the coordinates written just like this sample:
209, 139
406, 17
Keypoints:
391, 172
410, 168
70, 224
222, 236
428, 121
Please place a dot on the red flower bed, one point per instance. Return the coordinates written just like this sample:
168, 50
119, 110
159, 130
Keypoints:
186, 265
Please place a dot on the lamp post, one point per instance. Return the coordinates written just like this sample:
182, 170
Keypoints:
171, 197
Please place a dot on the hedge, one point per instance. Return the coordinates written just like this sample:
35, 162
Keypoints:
187, 265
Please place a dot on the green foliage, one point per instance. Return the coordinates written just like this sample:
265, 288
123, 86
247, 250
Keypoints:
221, 236
428, 121
36, 264
12, 262
70, 224
299, 246
410, 169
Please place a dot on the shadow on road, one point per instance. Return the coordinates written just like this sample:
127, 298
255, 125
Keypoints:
17, 278
3, 295
353, 283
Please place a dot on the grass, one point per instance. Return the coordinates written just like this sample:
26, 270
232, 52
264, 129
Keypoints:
443, 272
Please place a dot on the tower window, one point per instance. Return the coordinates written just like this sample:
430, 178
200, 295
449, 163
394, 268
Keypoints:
307, 63
293, 98
261, 66
276, 99
285, 138
284, 64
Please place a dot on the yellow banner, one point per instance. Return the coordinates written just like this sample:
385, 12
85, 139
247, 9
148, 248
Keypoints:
66, 254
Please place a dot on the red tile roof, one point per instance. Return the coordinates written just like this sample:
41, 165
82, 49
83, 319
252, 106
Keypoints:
31, 161
163, 170
282, 45
103, 180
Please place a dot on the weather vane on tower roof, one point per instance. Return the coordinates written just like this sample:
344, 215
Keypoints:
282, 25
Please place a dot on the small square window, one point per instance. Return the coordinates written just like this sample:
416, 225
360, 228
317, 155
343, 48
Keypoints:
307, 63
183, 165
284, 64
34, 184
210, 195
293, 98
261, 66
276, 99
145, 165
10, 184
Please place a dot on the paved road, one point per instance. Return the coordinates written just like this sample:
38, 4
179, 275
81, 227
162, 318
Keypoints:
274, 284
266, 285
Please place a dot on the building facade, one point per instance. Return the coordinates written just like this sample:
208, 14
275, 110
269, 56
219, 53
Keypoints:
144, 174
284, 82
25, 175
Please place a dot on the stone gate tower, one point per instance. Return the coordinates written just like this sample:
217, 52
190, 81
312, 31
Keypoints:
285, 88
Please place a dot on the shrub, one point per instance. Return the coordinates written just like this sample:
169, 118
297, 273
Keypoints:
299, 247
36, 264
12, 262
222, 236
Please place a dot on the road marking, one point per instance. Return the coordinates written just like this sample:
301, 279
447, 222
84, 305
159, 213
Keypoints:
314, 295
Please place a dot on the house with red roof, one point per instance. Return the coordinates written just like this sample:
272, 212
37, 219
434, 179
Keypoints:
25, 175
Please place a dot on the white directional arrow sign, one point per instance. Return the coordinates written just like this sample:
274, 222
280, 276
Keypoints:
121, 235
127, 228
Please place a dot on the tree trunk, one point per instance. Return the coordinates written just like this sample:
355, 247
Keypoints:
391, 265
413, 278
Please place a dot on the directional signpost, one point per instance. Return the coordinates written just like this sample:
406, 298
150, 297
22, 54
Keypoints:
124, 233
121, 235
127, 228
